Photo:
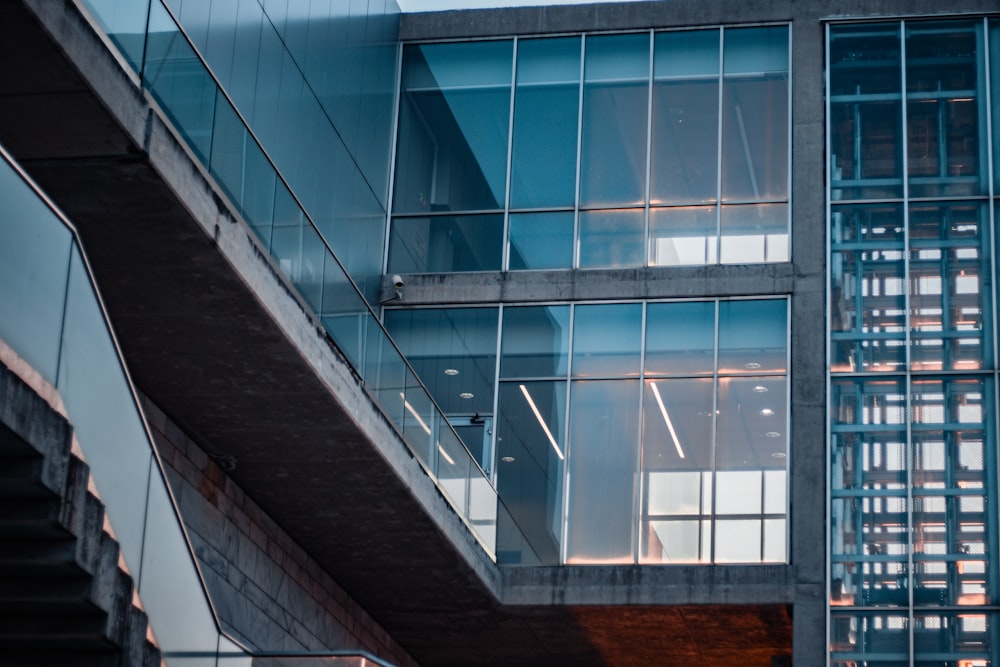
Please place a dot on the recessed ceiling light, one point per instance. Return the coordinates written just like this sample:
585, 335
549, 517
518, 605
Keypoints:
778, 455
507, 459
760, 389
451, 371
466, 394
773, 434
752, 365
767, 412
704, 413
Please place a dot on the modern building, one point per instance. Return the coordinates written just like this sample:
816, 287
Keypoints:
647, 333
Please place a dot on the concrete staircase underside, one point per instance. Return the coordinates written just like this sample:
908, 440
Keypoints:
64, 599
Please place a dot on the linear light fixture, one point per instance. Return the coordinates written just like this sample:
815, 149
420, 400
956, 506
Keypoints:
423, 424
447, 458
545, 427
666, 418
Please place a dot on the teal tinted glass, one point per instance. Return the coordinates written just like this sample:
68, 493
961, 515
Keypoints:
535, 342
606, 339
453, 118
680, 338
615, 109
543, 167
446, 243
753, 336
541, 240
612, 238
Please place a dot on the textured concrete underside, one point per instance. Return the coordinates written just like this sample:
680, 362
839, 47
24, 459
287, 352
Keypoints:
200, 342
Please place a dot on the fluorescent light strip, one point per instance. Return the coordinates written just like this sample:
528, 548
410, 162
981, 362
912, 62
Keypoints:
666, 418
538, 416
447, 458
423, 424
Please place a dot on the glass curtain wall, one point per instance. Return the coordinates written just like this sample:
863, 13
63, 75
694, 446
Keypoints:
913, 460
624, 432
593, 151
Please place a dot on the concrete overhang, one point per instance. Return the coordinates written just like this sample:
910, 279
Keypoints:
215, 336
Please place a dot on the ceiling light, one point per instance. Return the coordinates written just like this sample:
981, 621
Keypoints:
760, 389
416, 415
767, 412
773, 434
466, 394
507, 459
778, 455
451, 371
666, 418
538, 416
752, 365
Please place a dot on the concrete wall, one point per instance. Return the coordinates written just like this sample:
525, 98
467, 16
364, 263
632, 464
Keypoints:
267, 591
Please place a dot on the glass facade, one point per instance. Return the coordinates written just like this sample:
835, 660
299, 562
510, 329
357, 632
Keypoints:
593, 151
632, 432
912, 131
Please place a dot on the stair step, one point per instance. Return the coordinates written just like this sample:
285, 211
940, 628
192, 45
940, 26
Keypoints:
84, 622
19, 589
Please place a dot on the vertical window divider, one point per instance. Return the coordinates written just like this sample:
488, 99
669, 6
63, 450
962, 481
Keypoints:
579, 151
494, 448
568, 445
396, 105
907, 293
638, 487
714, 443
649, 144
788, 160
505, 247
718, 174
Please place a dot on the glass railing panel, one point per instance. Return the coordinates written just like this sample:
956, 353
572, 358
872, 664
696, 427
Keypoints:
124, 21
34, 261
179, 81
99, 403
310, 282
169, 585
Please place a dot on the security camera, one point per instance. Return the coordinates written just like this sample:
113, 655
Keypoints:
397, 281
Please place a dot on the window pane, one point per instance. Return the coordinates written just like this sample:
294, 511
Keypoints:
535, 341
453, 118
453, 350
753, 336
543, 167
446, 243
615, 105
683, 235
611, 239
606, 339
530, 460
755, 114
751, 432
602, 470
680, 338
541, 240
684, 158
737, 541
754, 233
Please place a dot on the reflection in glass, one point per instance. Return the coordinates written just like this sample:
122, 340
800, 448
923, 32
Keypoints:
606, 339
436, 244
753, 336
543, 164
680, 338
611, 238
685, 128
535, 342
754, 233
452, 137
530, 460
682, 235
541, 240
602, 463
615, 109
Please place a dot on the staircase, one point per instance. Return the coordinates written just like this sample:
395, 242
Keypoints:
64, 599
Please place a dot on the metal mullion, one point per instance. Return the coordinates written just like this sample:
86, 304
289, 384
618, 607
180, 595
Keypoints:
397, 97
639, 459
505, 250
788, 185
649, 145
579, 155
568, 445
492, 471
908, 405
715, 419
718, 180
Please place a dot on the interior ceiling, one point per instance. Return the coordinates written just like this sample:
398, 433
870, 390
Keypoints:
200, 345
